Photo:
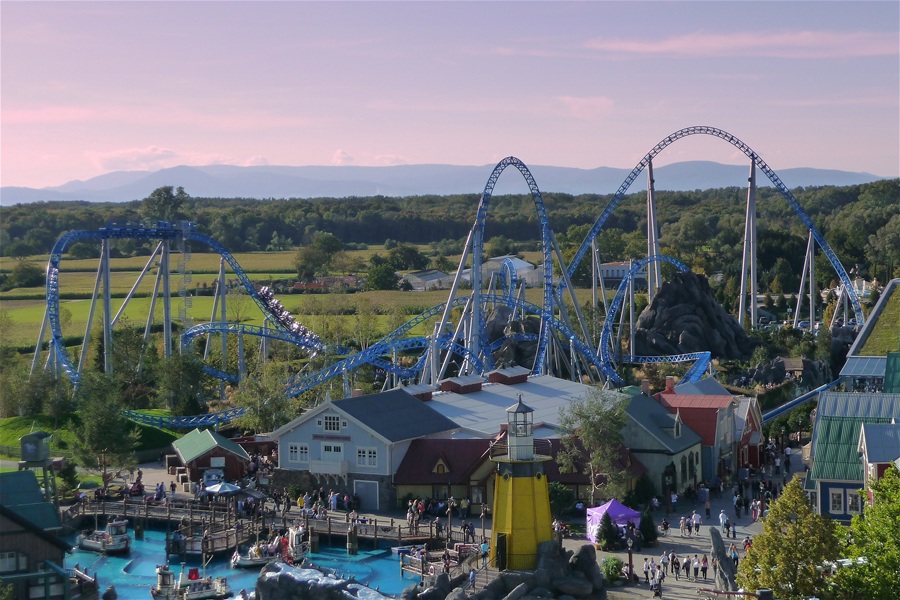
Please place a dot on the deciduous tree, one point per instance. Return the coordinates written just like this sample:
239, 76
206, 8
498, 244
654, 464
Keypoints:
793, 543
595, 423
875, 537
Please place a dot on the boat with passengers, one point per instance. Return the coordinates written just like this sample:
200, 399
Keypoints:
291, 548
112, 539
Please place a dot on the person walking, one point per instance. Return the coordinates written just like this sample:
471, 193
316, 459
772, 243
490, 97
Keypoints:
697, 520
676, 565
472, 576
722, 519
708, 508
647, 570
681, 526
704, 565
696, 564
686, 567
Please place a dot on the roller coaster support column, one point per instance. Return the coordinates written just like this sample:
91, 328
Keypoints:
167, 300
813, 300
809, 268
653, 271
107, 312
85, 341
748, 263
631, 311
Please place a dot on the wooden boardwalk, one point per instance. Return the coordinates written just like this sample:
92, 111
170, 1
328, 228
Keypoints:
214, 528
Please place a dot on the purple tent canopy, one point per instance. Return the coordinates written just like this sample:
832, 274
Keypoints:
618, 513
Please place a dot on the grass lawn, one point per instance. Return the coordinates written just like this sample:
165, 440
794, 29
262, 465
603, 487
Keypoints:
885, 336
13, 428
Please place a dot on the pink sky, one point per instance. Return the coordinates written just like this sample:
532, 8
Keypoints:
88, 88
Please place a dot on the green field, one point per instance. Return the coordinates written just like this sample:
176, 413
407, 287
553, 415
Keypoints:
26, 306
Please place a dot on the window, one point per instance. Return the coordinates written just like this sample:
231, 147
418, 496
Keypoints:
853, 502
366, 457
298, 453
7, 562
837, 502
332, 423
332, 452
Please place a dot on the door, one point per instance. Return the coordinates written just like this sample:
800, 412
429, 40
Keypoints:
368, 494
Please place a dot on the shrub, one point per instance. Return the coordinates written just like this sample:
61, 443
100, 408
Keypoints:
612, 568
648, 528
608, 536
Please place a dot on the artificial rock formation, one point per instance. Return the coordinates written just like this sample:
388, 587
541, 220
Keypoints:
559, 573
684, 317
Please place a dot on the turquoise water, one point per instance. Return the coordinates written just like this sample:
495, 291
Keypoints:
134, 573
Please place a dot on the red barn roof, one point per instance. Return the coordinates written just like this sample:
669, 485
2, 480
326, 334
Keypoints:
699, 412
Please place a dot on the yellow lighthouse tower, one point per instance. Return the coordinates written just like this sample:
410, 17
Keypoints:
521, 519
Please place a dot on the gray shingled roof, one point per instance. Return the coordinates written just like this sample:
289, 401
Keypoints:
660, 423
706, 386
882, 441
395, 415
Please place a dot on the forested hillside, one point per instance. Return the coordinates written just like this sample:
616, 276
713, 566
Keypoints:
703, 227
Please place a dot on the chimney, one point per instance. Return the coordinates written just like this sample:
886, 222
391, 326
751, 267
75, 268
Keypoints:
357, 393
670, 384
645, 387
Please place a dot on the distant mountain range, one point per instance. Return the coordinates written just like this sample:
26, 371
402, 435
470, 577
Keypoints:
225, 181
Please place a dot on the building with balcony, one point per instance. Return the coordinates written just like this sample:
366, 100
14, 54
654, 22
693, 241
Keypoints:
355, 445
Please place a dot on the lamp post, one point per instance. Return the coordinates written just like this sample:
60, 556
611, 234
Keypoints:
450, 505
483, 513
630, 563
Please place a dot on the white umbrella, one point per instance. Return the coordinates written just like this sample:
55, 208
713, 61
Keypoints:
223, 489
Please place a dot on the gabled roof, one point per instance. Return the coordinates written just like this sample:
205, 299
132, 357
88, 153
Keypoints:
395, 415
21, 494
460, 456
200, 441
464, 456
708, 386
698, 411
839, 418
660, 424
882, 441
29, 525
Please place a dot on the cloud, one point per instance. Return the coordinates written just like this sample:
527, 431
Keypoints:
786, 44
152, 158
341, 158
589, 107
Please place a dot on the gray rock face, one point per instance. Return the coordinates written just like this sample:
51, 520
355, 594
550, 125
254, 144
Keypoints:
280, 581
684, 317
726, 573
573, 586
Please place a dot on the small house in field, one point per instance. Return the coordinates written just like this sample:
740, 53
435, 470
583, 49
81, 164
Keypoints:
209, 456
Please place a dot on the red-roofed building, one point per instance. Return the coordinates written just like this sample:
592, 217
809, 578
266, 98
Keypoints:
712, 417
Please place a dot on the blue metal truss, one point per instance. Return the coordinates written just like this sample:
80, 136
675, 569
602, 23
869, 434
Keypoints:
760, 164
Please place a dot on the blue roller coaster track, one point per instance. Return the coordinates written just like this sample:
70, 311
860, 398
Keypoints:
476, 351
162, 231
760, 164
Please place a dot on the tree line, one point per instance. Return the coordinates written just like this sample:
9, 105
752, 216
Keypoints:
703, 227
